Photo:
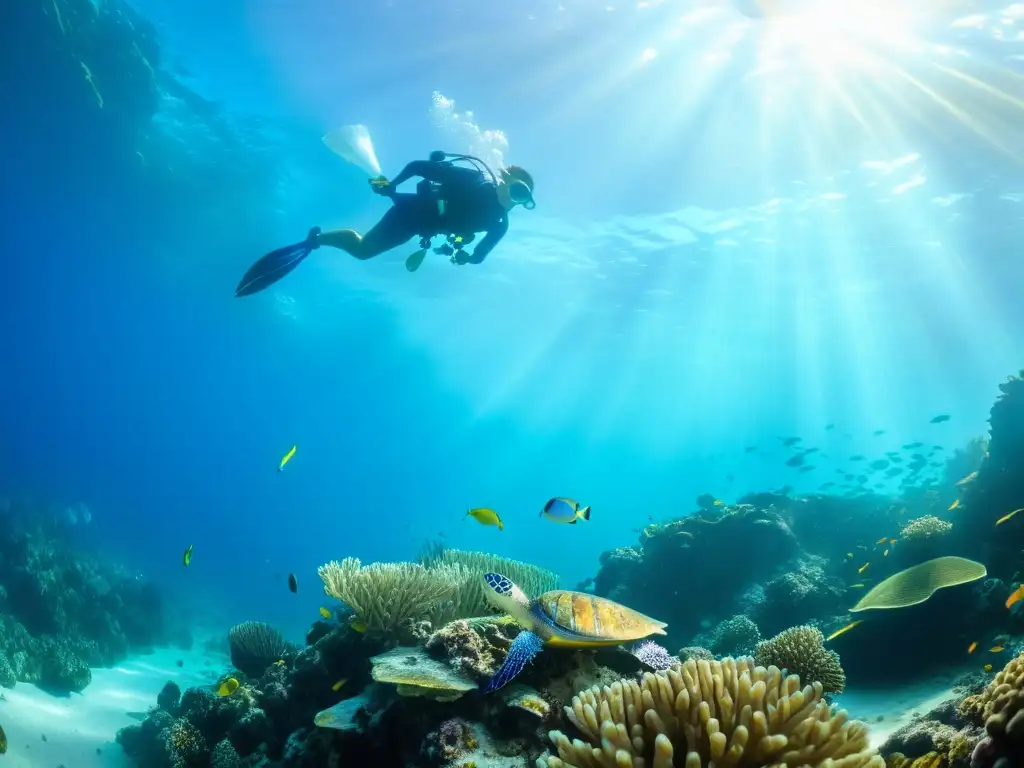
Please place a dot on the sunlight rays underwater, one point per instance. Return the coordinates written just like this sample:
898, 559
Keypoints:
629, 323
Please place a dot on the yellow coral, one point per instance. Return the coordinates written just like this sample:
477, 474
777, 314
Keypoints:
1000, 701
931, 760
726, 713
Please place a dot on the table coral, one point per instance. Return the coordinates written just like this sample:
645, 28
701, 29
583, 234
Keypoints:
723, 713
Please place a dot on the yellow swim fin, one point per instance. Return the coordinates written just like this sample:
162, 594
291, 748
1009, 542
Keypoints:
413, 262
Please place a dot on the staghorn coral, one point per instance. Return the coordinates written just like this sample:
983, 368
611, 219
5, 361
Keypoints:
255, 646
386, 597
926, 527
801, 651
722, 713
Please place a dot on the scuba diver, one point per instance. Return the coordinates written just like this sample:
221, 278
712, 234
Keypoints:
451, 200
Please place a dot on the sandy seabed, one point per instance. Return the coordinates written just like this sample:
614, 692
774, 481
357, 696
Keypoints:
77, 731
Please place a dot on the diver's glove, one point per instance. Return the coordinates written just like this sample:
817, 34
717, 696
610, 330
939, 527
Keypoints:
313, 238
381, 186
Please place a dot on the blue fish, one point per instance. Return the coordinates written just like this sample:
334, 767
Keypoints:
561, 510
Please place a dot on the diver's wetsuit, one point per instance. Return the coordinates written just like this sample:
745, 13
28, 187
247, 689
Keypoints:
464, 203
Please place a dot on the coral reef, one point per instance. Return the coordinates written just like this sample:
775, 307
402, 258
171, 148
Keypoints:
926, 527
1000, 708
734, 637
254, 646
65, 610
801, 651
728, 712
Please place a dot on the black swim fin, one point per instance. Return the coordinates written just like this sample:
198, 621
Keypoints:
276, 265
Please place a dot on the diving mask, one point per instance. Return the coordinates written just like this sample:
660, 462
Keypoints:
519, 193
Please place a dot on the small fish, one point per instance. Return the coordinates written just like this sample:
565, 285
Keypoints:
858, 585
795, 461
561, 510
279, 662
953, 506
325, 613
845, 629
987, 667
882, 540
863, 568
358, 626
878, 432
187, 559
891, 542
791, 441
829, 427
857, 457
485, 516
996, 649
971, 647
286, 458
337, 686
228, 687
886, 553
850, 555
940, 418
717, 502
968, 478
750, 449
1006, 517
807, 469
293, 583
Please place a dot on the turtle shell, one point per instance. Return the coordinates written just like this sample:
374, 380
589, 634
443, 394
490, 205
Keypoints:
581, 618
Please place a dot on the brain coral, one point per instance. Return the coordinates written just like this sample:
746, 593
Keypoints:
710, 713
801, 651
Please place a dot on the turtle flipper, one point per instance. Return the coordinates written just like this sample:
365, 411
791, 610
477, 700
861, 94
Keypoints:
520, 653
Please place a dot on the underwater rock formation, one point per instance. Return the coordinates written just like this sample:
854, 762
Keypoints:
64, 610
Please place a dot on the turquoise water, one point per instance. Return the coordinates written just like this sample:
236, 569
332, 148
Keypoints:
746, 229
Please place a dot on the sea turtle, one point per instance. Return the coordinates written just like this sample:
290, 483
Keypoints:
560, 618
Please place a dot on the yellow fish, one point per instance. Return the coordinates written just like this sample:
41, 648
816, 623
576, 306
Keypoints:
228, 687
886, 553
1006, 517
850, 555
987, 667
1018, 593
280, 662
188, 556
971, 647
882, 540
325, 613
863, 568
717, 502
845, 629
856, 586
953, 506
337, 686
891, 542
358, 626
287, 457
485, 516
996, 649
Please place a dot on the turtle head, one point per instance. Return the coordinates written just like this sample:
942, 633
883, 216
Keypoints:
503, 594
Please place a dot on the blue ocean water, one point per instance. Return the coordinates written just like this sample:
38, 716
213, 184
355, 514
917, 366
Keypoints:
726, 250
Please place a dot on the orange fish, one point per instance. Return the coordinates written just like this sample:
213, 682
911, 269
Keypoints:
1006, 517
953, 506
1018, 593
891, 542
882, 540
972, 646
